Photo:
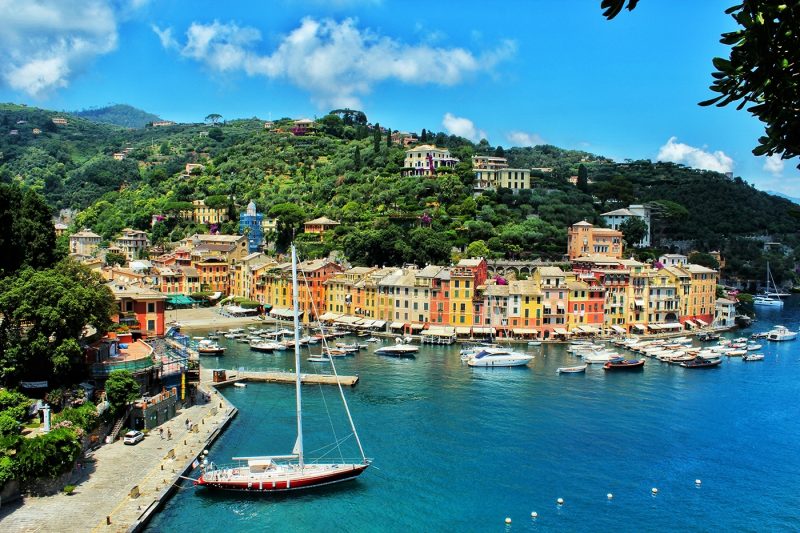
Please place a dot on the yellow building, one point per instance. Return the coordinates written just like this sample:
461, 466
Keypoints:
202, 214
462, 291
702, 294
341, 291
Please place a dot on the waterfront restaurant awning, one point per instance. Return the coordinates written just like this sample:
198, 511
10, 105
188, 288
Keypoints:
618, 329
440, 331
284, 314
397, 325
179, 299
347, 319
462, 331
654, 327
416, 327
329, 316
366, 323
701, 322
690, 323
524, 331
672, 325
589, 329
477, 330
560, 331
379, 324
640, 327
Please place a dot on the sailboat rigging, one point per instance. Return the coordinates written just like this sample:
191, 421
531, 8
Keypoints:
279, 473
770, 297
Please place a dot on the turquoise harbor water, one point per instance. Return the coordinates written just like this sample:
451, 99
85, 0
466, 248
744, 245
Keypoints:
460, 449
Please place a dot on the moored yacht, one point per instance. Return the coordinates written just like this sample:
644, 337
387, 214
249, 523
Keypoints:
781, 333
486, 358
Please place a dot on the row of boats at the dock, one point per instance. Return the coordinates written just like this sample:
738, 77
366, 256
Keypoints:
678, 350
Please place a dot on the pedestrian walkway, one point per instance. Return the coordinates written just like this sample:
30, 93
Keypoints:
122, 483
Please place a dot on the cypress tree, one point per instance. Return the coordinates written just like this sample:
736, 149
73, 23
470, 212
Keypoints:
376, 138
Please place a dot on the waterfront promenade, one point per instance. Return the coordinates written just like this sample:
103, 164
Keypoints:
119, 486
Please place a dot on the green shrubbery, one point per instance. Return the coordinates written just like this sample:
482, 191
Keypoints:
48, 455
84, 417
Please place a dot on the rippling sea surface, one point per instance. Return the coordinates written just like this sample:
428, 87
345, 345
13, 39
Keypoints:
461, 449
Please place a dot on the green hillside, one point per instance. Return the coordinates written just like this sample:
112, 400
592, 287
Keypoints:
122, 115
349, 172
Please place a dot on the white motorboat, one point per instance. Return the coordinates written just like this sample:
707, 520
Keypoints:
486, 358
571, 369
534, 343
753, 357
752, 347
209, 347
373, 339
781, 333
317, 359
398, 350
265, 346
599, 357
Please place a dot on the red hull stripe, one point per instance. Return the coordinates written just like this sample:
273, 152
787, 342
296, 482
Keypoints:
294, 484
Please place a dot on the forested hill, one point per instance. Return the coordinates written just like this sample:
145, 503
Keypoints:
118, 115
349, 171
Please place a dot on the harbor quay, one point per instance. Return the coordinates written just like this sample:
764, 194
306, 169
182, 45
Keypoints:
120, 487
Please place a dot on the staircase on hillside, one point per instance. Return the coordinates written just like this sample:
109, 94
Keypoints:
118, 426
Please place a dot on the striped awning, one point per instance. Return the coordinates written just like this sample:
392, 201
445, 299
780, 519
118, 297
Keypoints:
690, 323
397, 325
462, 331
347, 319
560, 331
701, 322
640, 327
524, 331
440, 331
416, 327
379, 324
672, 325
483, 331
329, 316
618, 329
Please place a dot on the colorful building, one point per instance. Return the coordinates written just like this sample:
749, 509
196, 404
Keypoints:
140, 309
584, 239
251, 226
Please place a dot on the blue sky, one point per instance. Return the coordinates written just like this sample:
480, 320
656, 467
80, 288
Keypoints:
517, 73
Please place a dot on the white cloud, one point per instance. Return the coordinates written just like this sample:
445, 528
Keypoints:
774, 164
165, 36
336, 62
522, 138
463, 127
684, 154
44, 43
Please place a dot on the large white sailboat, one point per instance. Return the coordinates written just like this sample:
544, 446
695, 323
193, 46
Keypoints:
294, 471
770, 297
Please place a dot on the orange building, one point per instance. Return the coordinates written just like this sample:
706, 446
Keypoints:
584, 239
213, 273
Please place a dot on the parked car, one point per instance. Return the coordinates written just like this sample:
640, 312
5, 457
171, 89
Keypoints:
133, 437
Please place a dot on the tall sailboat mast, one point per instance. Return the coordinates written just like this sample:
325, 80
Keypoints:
298, 447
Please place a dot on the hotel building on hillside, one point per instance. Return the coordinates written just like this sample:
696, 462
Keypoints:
584, 239
615, 219
426, 160
493, 173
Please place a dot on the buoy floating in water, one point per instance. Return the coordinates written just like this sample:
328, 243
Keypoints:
508, 520
698, 482
610, 496
560, 501
534, 514
654, 491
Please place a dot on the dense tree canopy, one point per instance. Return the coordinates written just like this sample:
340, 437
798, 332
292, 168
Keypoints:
121, 389
28, 237
44, 315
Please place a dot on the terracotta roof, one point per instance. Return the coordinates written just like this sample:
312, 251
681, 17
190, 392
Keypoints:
323, 220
